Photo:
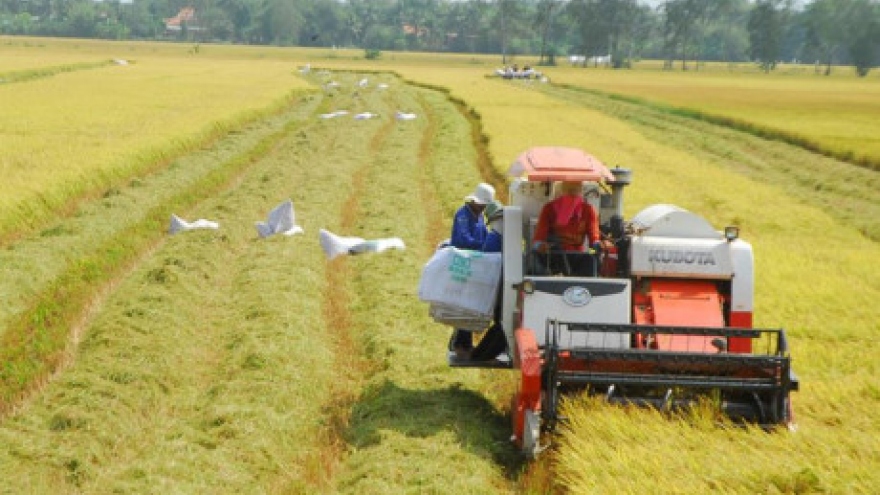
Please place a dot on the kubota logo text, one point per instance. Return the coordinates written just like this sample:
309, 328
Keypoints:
679, 256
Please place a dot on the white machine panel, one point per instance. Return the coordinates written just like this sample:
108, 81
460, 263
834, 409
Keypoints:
580, 300
671, 257
529, 197
671, 221
742, 288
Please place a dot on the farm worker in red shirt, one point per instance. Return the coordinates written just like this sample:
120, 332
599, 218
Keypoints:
566, 225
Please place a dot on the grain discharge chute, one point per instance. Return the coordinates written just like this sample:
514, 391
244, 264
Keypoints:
664, 319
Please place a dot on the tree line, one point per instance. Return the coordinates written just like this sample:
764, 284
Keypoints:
683, 33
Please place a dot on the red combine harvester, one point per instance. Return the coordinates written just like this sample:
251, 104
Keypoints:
665, 320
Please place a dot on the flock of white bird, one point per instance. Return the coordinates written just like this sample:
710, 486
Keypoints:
363, 83
282, 221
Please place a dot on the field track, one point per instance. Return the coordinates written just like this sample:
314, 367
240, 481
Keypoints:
219, 362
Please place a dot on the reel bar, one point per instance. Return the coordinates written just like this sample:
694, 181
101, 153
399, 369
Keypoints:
678, 381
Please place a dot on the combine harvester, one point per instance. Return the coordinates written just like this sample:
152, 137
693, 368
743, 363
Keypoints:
666, 321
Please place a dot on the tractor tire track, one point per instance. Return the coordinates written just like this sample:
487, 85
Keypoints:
438, 229
410, 401
435, 231
352, 364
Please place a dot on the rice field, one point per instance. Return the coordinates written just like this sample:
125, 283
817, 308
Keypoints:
218, 362
831, 323
19, 55
836, 113
109, 123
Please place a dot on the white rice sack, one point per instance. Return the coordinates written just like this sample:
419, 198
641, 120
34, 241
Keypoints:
462, 279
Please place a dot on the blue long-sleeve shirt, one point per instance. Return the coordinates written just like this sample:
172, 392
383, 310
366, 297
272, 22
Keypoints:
493, 242
468, 229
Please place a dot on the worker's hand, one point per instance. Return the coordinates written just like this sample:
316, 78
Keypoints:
596, 248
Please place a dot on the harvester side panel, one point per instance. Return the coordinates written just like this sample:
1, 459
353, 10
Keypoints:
742, 292
682, 303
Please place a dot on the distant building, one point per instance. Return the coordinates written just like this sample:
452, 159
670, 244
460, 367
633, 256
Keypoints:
417, 31
185, 19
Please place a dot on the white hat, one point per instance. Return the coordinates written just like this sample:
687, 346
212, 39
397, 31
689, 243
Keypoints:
482, 195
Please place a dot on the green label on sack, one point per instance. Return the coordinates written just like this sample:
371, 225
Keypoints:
460, 268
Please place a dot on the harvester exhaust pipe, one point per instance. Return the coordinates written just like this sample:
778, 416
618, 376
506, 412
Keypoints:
622, 178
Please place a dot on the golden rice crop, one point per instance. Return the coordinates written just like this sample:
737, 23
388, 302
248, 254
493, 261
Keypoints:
815, 277
837, 112
54, 51
73, 133
17, 63
820, 291
511, 115
21, 54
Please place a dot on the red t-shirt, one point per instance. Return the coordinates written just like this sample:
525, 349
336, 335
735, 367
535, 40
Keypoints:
569, 220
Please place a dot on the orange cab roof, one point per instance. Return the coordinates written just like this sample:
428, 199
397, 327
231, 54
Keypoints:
556, 163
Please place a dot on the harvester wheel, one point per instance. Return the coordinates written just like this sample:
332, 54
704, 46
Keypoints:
531, 445
527, 402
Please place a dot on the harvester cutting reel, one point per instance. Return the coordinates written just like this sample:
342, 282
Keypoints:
750, 387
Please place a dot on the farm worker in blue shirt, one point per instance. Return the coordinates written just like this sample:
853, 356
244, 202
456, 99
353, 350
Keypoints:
469, 232
468, 228
494, 342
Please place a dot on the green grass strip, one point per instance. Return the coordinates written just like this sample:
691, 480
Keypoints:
36, 341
